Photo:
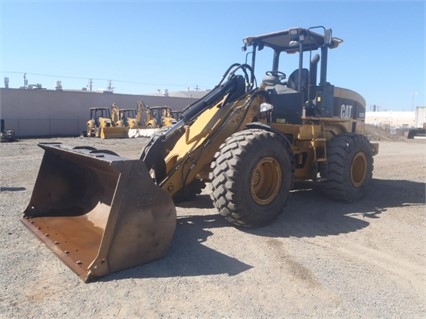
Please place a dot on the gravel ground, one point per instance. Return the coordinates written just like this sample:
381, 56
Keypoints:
321, 259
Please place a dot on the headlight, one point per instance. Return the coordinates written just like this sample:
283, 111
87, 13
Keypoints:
265, 107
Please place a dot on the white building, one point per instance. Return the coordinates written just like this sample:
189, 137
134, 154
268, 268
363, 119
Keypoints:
391, 119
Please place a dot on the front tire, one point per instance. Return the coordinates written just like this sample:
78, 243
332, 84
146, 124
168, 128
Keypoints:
251, 177
349, 168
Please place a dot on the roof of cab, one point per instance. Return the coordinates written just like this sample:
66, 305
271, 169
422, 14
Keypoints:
281, 40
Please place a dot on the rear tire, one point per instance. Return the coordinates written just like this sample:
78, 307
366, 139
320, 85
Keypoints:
251, 177
349, 168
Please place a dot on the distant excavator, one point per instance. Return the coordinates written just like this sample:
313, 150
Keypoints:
161, 115
115, 122
100, 118
151, 119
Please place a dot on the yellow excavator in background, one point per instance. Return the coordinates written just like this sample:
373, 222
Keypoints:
146, 116
135, 117
100, 117
177, 115
100, 212
162, 115
115, 122
151, 119
155, 116
120, 126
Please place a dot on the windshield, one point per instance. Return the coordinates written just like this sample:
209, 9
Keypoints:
287, 62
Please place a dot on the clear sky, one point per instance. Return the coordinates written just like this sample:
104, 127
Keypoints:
143, 46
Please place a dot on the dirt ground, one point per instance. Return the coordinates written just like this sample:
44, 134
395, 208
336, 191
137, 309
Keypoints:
321, 259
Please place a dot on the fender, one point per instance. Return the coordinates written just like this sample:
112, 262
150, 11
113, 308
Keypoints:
266, 127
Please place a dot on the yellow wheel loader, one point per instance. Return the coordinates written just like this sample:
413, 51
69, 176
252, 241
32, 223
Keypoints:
161, 116
120, 124
117, 126
140, 119
100, 117
152, 117
132, 118
101, 213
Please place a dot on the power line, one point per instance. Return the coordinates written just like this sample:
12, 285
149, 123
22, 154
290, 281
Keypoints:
67, 76
97, 79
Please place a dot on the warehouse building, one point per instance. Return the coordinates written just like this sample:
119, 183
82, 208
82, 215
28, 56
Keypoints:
52, 113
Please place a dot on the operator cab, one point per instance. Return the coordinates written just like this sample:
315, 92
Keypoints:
99, 112
299, 95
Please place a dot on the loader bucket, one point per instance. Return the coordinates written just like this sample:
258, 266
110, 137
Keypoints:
114, 132
99, 212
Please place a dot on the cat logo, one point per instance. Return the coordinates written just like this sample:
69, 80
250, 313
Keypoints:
345, 111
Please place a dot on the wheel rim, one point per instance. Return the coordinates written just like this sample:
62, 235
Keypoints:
359, 169
265, 181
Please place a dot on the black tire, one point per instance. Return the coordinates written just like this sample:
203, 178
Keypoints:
251, 177
349, 168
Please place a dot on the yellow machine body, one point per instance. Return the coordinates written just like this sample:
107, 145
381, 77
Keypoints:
101, 213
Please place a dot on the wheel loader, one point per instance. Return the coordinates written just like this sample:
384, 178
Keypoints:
161, 116
121, 120
101, 213
100, 117
113, 122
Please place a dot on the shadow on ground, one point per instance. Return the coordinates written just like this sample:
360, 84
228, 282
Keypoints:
187, 255
307, 207
307, 214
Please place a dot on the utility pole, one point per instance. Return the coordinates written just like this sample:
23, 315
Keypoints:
110, 88
25, 80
